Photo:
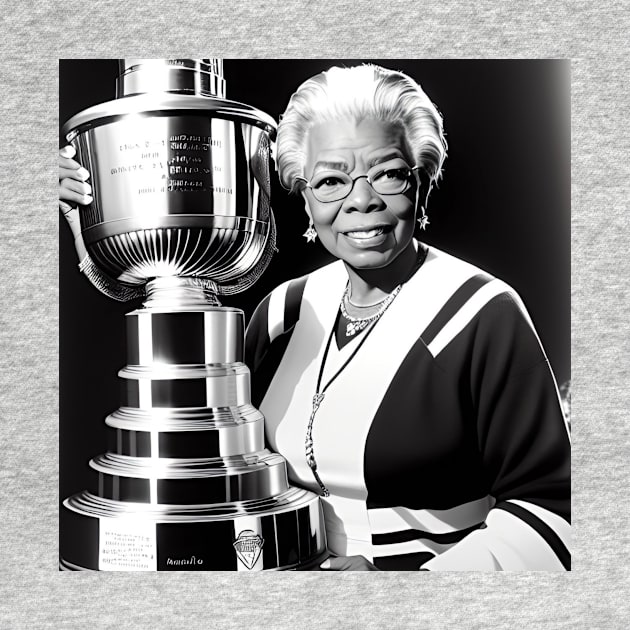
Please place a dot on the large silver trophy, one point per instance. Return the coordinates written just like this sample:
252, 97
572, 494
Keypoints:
181, 214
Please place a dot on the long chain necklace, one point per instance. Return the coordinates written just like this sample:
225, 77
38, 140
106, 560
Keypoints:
320, 392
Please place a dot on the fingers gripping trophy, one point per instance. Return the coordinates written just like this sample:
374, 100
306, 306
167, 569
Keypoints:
180, 215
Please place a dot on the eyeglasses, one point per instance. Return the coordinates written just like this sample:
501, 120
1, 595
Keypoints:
389, 178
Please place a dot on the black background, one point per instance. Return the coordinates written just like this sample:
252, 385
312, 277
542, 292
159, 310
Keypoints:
503, 204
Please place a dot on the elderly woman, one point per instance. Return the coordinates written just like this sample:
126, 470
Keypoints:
405, 386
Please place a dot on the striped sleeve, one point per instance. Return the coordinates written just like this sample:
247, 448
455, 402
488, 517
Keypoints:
269, 331
518, 536
522, 437
256, 336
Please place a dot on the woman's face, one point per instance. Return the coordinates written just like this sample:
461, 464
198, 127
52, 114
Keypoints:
366, 230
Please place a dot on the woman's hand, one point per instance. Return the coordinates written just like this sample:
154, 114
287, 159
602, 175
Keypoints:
347, 563
73, 186
73, 189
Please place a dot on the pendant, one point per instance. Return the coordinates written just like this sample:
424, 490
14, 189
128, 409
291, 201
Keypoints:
354, 327
317, 399
308, 444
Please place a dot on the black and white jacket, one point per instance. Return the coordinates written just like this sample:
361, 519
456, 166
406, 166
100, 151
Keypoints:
442, 441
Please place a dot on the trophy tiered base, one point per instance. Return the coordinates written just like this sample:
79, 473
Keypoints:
187, 484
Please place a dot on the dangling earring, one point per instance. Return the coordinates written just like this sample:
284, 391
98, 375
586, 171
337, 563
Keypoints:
423, 221
310, 235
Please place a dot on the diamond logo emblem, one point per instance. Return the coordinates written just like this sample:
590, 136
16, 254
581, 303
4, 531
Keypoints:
248, 546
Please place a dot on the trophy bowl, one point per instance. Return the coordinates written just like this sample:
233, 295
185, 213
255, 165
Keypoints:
180, 184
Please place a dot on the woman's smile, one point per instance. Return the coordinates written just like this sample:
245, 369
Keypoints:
367, 236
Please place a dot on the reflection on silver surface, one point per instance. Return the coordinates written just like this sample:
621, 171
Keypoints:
192, 76
181, 186
177, 195
291, 524
189, 481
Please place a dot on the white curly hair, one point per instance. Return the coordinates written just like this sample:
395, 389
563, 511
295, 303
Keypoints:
356, 93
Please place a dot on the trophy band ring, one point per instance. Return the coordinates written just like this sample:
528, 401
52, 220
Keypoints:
181, 214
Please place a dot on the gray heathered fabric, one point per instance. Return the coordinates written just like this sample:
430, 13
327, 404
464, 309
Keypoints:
33, 594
